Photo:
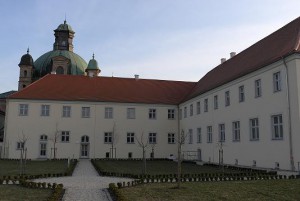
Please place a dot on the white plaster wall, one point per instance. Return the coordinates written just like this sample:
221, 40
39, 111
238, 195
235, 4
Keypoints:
265, 151
35, 125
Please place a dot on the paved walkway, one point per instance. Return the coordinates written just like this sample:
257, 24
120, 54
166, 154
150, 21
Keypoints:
85, 184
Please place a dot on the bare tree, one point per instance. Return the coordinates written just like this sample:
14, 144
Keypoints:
143, 144
114, 140
23, 155
55, 139
221, 153
180, 142
152, 149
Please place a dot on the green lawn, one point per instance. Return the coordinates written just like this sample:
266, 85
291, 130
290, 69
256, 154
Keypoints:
17, 193
12, 167
155, 167
267, 190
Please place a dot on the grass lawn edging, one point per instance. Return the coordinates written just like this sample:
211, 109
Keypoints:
24, 180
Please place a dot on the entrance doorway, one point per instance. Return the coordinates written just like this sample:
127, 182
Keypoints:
199, 155
85, 147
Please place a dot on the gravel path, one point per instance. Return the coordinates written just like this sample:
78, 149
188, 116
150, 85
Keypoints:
85, 183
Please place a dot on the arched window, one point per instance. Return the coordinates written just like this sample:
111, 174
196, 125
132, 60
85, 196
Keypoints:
25, 73
85, 139
43, 138
60, 70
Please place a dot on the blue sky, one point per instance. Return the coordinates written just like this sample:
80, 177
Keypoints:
157, 39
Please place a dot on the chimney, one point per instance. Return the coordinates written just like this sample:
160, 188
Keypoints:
136, 76
223, 60
232, 54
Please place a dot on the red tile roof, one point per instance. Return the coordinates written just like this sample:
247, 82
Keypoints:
105, 89
272, 48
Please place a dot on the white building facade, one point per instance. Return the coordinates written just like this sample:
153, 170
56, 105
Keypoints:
243, 112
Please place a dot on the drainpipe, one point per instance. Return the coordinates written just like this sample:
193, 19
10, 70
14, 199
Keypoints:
292, 164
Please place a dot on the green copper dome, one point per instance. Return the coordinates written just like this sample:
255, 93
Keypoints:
64, 27
93, 64
43, 65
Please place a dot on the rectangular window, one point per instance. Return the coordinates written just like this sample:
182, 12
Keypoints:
23, 109
221, 132
180, 114
65, 136
130, 113
206, 105
152, 113
199, 137
130, 138
108, 137
185, 112
66, 111
198, 107
85, 112
277, 82
45, 110
277, 127
43, 149
108, 113
236, 131
254, 129
171, 113
191, 109
216, 102
257, 85
227, 98
241, 93
152, 138
171, 138
190, 136
209, 134
20, 145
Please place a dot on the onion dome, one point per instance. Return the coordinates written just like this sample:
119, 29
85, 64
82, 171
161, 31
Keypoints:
93, 64
26, 59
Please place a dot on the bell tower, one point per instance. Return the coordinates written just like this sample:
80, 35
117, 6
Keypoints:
63, 37
26, 71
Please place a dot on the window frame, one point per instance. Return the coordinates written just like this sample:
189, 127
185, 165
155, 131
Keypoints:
152, 113
209, 133
199, 135
227, 98
152, 138
198, 106
171, 138
131, 113
206, 105
23, 109
45, 110
236, 131
257, 88
254, 129
222, 134
85, 112
65, 136
108, 137
171, 114
277, 126
191, 109
130, 138
66, 111
277, 82
108, 113
216, 106
241, 93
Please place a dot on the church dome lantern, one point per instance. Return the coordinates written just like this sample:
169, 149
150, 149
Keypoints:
93, 69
